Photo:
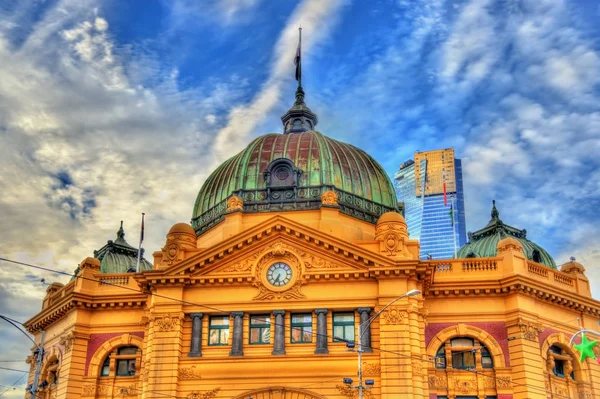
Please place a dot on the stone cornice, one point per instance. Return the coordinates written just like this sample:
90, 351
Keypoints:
79, 300
516, 284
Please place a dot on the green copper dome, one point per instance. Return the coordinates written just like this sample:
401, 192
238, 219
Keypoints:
483, 243
279, 172
119, 257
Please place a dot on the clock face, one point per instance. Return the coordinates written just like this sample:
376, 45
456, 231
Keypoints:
279, 274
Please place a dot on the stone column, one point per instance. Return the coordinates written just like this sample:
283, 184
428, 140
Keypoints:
238, 329
321, 331
196, 345
279, 344
364, 314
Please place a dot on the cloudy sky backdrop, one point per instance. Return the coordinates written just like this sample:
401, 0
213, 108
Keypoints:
112, 108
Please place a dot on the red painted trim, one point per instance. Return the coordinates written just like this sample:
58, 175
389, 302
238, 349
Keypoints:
496, 329
97, 340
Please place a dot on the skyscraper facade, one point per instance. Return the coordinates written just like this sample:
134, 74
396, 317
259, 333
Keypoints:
431, 188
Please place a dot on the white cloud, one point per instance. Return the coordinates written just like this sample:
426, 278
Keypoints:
316, 17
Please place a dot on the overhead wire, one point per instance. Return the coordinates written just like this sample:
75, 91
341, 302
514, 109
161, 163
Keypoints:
185, 302
13, 386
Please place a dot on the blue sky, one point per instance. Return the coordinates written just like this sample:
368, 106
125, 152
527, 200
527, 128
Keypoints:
113, 108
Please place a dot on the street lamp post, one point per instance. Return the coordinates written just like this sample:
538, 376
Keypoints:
366, 325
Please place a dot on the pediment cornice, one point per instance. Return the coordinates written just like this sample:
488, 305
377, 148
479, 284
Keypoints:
230, 261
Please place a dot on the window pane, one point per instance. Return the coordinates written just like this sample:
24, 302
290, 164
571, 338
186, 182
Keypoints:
105, 370
214, 337
486, 362
127, 350
266, 335
219, 321
302, 318
260, 320
469, 359
462, 342
296, 334
338, 332
122, 367
308, 334
131, 367
254, 334
343, 317
349, 332
224, 336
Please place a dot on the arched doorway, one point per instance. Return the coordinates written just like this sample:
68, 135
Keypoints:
280, 393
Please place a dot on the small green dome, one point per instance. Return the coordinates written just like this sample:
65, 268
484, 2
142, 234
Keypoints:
483, 243
119, 257
280, 172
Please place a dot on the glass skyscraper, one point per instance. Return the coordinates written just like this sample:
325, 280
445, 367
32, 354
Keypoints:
420, 185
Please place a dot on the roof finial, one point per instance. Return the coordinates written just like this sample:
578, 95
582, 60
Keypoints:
299, 118
495, 213
121, 232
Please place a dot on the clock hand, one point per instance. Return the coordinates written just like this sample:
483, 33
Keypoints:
277, 279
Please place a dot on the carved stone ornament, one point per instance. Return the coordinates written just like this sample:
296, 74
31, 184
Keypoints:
242, 266
88, 389
529, 329
166, 322
352, 393
329, 197
489, 381
188, 373
67, 342
145, 371
124, 391
417, 369
503, 382
204, 395
315, 262
394, 315
392, 236
371, 369
465, 385
235, 203
172, 251
561, 391
437, 382
585, 395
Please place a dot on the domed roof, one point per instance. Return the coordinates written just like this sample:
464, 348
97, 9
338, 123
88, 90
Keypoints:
391, 217
181, 228
483, 243
279, 172
119, 257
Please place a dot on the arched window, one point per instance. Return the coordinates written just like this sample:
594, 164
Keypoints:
560, 363
463, 353
125, 362
536, 256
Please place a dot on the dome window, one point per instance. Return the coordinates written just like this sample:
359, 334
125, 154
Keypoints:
282, 173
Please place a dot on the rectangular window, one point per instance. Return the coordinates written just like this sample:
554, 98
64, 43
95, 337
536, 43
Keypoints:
218, 331
463, 360
343, 327
125, 367
260, 329
301, 328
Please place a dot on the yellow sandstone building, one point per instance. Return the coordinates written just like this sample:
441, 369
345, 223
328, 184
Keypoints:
294, 244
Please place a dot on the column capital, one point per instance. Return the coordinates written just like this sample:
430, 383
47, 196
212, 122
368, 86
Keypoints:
320, 311
364, 310
237, 314
194, 315
279, 312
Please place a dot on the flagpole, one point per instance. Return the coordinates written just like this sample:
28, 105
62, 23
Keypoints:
300, 59
139, 254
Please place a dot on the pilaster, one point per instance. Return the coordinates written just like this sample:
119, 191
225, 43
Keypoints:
525, 359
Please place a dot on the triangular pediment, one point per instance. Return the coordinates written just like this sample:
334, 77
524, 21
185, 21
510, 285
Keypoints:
237, 256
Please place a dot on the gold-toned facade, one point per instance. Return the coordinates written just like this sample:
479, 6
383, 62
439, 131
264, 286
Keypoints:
439, 169
482, 328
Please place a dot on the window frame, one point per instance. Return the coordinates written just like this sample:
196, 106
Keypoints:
260, 327
343, 324
120, 358
219, 329
301, 327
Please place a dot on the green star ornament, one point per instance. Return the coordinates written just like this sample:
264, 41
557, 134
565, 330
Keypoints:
585, 348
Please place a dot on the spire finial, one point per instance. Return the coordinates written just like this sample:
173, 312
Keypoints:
121, 232
299, 118
495, 213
